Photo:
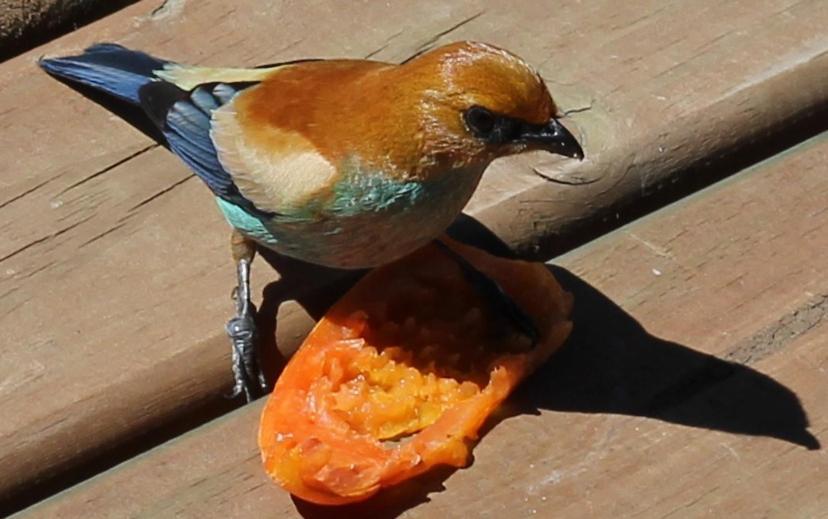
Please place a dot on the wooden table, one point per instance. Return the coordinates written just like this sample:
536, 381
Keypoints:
694, 383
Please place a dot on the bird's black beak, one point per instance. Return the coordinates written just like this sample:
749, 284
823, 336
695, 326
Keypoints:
552, 137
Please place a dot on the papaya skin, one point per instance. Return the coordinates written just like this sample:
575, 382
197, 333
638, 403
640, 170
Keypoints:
402, 372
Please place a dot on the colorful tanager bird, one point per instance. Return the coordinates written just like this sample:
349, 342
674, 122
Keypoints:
343, 163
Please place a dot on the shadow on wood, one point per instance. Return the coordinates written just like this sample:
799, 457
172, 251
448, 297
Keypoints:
610, 364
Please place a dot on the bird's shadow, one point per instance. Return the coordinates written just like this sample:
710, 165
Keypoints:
609, 364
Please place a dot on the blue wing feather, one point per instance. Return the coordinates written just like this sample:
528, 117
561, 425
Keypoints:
185, 121
188, 132
114, 69
205, 100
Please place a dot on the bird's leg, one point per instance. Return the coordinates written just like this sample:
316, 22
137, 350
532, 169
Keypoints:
501, 303
241, 329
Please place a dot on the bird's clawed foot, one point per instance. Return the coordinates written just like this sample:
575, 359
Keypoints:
247, 373
501, 303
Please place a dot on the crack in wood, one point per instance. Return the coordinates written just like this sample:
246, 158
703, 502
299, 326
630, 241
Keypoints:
5, 295
383, 46
775, 337
429, 43
38, 270
26, 192
103, 234
160, 193
578, 110
108, 168
44, 239
571, 179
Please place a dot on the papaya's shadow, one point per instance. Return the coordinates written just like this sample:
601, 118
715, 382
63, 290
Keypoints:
609, 364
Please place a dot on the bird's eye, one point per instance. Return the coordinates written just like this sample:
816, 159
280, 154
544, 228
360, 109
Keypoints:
480, 121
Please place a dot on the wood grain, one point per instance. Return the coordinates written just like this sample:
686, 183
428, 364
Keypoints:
114, 272
698, 350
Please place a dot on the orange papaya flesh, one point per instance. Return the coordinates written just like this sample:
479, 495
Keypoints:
402, 372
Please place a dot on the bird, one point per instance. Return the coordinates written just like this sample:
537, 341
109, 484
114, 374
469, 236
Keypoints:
346, 163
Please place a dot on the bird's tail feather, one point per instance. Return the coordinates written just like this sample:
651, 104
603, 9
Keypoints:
108, 67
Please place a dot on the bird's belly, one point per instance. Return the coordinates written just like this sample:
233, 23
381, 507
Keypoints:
365, 242
369, 236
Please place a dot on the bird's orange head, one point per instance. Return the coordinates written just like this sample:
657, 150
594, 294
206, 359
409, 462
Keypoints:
475, 102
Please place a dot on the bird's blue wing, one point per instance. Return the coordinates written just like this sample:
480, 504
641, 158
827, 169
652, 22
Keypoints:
185, 120
109, 68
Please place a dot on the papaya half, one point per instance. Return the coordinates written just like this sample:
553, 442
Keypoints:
402, 372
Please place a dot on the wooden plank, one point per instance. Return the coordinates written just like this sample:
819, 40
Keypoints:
107, 246
696, 363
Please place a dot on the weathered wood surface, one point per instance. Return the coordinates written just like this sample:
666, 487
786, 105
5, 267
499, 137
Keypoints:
114, 272
643, 415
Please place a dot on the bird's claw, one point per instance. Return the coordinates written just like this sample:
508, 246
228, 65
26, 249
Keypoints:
247, 374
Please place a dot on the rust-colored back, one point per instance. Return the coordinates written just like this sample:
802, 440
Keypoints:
405, 120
